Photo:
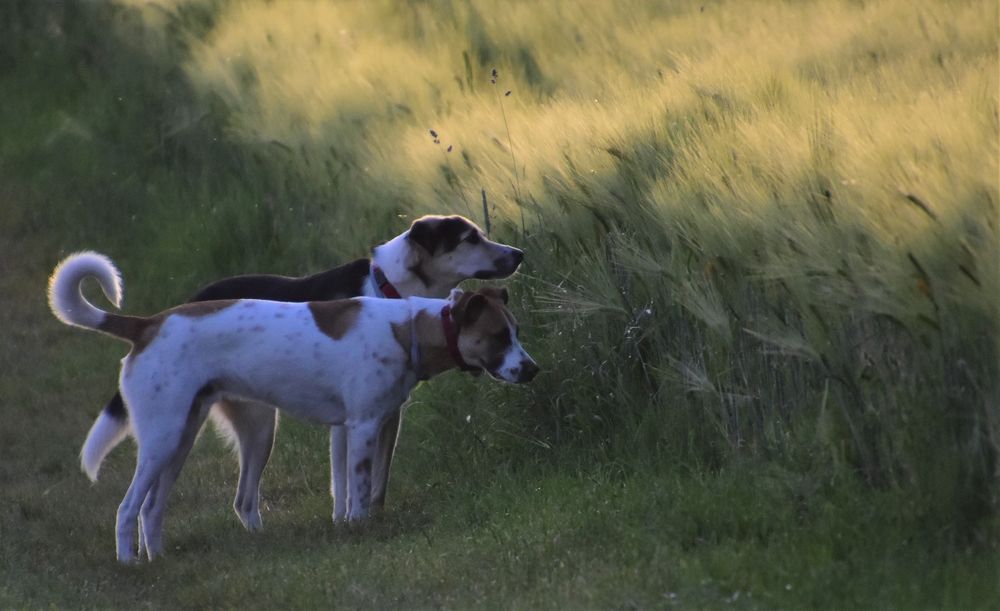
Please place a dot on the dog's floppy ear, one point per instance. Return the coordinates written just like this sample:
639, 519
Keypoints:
468, 308
422, 232
496, 292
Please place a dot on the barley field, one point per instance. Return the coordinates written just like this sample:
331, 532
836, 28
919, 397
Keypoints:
762, 280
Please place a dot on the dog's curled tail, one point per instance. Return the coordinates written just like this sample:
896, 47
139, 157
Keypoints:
65, 297
71, 307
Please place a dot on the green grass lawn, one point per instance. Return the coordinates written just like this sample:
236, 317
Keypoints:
749, 535
761, 281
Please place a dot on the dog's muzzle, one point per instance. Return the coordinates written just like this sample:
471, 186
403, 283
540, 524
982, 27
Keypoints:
502, 266
526, 372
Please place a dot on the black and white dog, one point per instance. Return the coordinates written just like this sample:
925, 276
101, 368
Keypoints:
428, 260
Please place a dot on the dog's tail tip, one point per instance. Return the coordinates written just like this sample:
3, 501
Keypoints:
106, 433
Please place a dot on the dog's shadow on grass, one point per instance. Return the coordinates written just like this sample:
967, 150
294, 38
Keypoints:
308, 527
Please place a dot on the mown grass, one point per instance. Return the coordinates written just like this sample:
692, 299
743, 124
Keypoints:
761, 279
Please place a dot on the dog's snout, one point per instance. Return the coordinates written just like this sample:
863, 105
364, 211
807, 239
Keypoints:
529, 369
509, 262
503, 266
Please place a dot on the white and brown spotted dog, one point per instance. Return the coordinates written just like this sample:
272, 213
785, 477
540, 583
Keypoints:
349, 363
428, 260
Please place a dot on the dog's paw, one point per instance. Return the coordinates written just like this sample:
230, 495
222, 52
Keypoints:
128, 559
358, 516
250, 520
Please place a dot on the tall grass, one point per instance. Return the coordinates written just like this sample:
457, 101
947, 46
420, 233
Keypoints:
755, 230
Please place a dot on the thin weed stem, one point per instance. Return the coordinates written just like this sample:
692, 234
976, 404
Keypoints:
457, 186
510, 147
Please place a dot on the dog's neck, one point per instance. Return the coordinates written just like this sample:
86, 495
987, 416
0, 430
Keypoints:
401, 265
433, 355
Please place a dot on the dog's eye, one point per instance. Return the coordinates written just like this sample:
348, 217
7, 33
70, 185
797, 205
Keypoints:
473, 238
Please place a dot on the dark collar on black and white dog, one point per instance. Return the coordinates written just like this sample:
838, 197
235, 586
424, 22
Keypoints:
382, 285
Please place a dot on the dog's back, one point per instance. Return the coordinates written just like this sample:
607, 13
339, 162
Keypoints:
307, 357
337, 283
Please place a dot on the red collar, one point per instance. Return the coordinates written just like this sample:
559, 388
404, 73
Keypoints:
382, 283
451, 337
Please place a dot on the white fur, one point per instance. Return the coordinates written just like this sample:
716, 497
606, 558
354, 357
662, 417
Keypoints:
65, 298
104, 435
514, 360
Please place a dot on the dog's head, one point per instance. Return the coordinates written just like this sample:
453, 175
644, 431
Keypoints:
453, 248
487, 335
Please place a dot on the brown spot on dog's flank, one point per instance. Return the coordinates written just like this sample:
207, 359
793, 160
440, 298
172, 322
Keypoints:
364, 466
335, 318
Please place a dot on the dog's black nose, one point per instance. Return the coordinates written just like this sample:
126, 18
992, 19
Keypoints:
517, 255
529, 369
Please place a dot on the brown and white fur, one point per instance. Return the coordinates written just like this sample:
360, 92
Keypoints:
427, 260
349, 363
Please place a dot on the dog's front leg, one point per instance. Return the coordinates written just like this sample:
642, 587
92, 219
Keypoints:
361, 439
338, 471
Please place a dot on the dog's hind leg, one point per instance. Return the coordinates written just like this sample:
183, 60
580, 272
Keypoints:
338, 471
153, 456
387, 436
155, 505
159, 420
361, 440
253, 425
147, 469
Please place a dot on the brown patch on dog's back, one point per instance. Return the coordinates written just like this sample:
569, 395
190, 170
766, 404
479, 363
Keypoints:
147, 335
335, 318
140, 331
201, 308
